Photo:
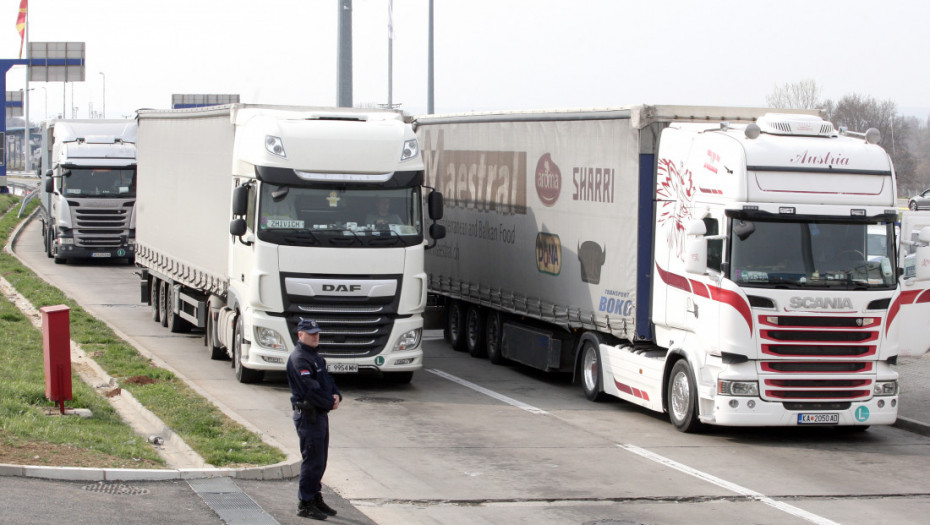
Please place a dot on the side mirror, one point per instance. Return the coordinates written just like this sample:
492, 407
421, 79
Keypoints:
434, 205
922, 262
924, 235
437, 231
696, 255
240, 201
237, 227
49, 184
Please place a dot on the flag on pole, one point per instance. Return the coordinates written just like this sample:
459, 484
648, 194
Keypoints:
21, 25
390, 19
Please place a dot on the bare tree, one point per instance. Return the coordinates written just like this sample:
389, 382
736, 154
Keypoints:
795, 95
901, 135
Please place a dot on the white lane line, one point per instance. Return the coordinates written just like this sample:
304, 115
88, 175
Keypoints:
784, 507
490, 393
662, 460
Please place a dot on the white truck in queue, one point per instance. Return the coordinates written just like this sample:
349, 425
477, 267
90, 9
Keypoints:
711, 263
87, 190
252, 217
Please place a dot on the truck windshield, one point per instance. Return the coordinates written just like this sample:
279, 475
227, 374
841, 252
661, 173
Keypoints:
812, 254
99, 182
340, 216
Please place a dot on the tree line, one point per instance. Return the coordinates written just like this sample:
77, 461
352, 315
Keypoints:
905, 138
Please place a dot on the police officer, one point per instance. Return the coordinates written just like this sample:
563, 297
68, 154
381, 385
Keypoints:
313, 395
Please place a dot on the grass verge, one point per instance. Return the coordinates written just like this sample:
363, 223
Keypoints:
219, 440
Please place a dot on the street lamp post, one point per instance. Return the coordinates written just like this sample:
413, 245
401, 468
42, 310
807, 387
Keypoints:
45, 95
104, 94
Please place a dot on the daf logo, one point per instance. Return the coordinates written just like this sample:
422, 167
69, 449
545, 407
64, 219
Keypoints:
348, 288
822, 303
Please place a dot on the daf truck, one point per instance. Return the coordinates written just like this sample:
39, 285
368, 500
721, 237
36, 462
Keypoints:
726, 266
253, 217
87, 190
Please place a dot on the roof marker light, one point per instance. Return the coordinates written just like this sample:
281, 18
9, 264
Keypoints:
753, 131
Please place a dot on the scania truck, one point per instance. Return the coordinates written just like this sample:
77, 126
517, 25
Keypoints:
88, 189
710, 263
253, 217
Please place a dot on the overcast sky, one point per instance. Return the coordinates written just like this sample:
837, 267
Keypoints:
490, 54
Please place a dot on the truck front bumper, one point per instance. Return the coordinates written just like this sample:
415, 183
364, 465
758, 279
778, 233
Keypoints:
71, 251
736, 411
258, 357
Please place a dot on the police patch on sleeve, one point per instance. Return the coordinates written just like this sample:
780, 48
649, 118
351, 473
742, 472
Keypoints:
304, 372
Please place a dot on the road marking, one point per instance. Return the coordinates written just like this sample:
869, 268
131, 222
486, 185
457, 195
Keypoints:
490, 393
652, 456
784, 507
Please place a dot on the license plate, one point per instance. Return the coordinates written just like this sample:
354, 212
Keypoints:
818, 419
98, 255
342, 368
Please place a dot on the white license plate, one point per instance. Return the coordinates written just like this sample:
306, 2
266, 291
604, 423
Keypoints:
98, 255
818, 419
342, 368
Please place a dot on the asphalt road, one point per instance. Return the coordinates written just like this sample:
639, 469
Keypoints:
471, 442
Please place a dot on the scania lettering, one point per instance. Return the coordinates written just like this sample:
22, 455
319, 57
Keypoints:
253, 217
726, 266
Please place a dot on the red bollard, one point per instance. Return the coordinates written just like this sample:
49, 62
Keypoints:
56, 341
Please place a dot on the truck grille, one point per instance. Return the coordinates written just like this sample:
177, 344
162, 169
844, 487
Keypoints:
100, 225
817, 359
349, 326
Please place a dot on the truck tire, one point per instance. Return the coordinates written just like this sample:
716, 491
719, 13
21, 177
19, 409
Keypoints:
592, 378
217, 352
243, 374
153, 299
163, 303
455, 321
474, 331
493, 330
176, 324
48, 243
682, 398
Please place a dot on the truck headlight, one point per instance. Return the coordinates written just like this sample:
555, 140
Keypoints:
738, 388
275, 146
268, 338
885, 388
408, 341
411, 149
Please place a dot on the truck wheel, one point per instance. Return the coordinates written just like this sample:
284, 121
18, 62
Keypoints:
682, 398
48, 243
398, 378
474, 331
217, 352
493, 326
176, 324
591, 372
163, 302
153, 299
243, 374
455, 320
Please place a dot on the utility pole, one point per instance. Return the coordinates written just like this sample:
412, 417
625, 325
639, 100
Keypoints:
429, 67
344, 58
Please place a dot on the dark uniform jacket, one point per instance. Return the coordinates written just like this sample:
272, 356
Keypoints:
309, 380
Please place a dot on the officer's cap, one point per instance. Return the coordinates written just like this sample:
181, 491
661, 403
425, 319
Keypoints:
308, 325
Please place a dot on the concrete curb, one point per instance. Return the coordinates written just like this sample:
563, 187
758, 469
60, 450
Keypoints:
287, 469
912, 425
278, 471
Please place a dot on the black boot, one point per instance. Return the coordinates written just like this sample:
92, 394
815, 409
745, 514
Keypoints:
320, 504
306, 509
